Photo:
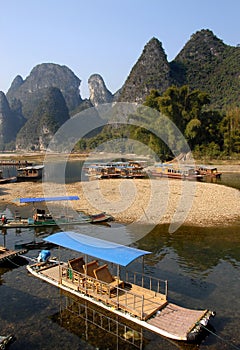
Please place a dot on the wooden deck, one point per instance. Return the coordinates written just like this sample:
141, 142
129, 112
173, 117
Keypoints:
133, 299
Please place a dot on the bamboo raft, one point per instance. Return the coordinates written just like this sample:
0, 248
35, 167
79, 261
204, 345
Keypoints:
137, 297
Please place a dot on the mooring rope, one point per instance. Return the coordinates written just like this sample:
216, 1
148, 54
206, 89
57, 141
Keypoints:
222, 339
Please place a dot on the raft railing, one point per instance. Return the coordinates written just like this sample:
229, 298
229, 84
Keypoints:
122, 297
145, 281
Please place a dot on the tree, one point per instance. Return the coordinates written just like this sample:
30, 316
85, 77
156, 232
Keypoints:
231, 131
181, 105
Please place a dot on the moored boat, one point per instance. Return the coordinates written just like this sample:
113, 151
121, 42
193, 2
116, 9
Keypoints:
101, 217
113, 170
209, 171
134, 296
30, 173
42, 219
174, 171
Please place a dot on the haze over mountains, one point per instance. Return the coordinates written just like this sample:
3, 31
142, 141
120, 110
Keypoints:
33, 109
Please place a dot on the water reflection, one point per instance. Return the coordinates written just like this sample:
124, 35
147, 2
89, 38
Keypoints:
89, 322
202, 266
197, 249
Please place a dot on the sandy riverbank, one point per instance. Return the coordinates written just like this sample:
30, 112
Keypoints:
160, 201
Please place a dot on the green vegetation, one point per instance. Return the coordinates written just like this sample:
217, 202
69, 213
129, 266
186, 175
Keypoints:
207, 64
209, 133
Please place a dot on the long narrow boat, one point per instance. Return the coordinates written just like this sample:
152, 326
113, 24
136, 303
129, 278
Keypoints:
43, 219
134, 296
174, 171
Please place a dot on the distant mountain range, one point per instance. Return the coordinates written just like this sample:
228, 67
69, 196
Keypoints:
34, 108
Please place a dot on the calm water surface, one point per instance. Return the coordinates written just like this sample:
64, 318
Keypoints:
202, 266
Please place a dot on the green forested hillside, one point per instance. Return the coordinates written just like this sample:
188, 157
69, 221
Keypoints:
206, 63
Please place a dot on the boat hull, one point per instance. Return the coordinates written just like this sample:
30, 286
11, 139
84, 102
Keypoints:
152, 324
178, 176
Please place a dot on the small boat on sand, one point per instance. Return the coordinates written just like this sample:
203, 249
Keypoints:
101, 217
30, 173
209, 171
134, 296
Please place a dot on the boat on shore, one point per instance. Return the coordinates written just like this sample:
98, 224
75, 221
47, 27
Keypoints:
174, 171
136, 297
113, 170
209, 171
30, 173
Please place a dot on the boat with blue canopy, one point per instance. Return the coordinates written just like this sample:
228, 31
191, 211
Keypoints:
41, 218
102, 275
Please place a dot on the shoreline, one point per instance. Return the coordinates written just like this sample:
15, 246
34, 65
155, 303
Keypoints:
222, 165
140, 201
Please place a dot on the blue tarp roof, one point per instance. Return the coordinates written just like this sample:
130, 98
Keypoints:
95, 247
48, 199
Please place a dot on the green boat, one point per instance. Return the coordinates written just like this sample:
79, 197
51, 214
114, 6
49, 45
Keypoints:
43, 219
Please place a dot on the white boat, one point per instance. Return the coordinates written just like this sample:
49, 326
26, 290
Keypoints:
134, 296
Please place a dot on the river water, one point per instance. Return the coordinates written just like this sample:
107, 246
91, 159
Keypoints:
202, 266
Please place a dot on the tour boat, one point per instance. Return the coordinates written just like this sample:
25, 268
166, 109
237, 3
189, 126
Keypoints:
176, 172
111, 285
209, 171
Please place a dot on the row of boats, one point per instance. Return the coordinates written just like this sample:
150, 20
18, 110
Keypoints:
128, 169
184, 172
111, 170
133, 169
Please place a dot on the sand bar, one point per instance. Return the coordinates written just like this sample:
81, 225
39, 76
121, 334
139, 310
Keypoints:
158, 201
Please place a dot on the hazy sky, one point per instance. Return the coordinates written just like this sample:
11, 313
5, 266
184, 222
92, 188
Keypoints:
103, 36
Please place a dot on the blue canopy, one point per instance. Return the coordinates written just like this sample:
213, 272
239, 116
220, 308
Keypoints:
48, 199
98, 248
